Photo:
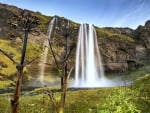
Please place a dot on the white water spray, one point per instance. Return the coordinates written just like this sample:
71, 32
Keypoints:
88, 70
45, 47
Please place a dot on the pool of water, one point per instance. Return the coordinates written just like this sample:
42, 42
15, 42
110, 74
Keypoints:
52, 78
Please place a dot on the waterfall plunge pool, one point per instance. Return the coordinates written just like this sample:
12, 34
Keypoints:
52, 79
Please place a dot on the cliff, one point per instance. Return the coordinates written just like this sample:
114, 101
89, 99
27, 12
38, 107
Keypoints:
122, 49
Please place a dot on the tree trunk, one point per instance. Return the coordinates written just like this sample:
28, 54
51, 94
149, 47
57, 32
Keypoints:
24, 47
64, 89
15, 100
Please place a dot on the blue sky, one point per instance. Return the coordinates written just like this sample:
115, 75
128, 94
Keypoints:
102, 13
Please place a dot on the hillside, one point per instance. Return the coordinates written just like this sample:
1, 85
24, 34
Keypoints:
122, 49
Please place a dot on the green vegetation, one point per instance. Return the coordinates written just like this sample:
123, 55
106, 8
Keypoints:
7, 67
142, 89
132, 99
139, 72
33, 50
132, 75
7, 46
104, 33
5, 83
120, 101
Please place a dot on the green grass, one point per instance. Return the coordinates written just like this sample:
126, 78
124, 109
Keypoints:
132, 99
4, 105
132, 75
5, 83
76, 101
142, 89
104, 33
139, 72
102, 100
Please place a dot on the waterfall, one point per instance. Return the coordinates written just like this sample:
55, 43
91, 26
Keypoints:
88, 67
45, 48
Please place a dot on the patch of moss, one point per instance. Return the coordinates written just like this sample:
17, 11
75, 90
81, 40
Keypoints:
104, 33
7, 67
33, 50
10, 69
6, 46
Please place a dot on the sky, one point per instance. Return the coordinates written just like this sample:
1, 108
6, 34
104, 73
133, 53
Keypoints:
102, 13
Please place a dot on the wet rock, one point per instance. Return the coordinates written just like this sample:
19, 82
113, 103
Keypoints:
116, 67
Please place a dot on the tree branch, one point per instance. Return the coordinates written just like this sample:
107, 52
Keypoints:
53, 53
51, 95
68, 54
27, 63
8, 56
69, 73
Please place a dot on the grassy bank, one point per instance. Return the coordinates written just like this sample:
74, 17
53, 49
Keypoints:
132, 99
7, 67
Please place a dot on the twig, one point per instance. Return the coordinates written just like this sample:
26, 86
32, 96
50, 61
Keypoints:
53, 53
8, 56
33, 60
69, 73
67, 56
51, 95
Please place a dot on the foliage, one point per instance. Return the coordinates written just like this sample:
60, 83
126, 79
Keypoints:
134, 99
142, 88
121, 101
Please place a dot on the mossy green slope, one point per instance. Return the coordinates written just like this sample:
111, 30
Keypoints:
7, 67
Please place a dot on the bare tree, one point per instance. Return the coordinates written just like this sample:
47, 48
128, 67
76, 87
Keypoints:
26, 23
65, 31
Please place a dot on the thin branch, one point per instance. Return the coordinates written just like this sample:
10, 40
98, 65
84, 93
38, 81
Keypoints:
33, 59
53, 53
8, 56
51, 95
67, 56
69, 73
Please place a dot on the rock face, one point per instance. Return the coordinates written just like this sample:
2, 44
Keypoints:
125, 49
4, 27
147, 24
142, 36
122, 49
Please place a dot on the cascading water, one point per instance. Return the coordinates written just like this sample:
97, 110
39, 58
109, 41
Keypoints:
88, 68
45, 47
